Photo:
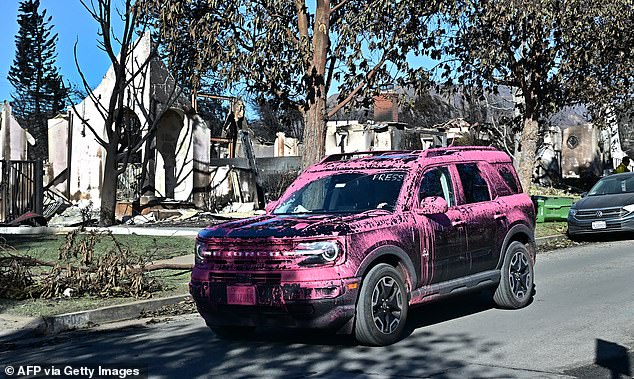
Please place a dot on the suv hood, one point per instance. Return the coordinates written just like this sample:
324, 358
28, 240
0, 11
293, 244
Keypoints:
286, 226
605, 201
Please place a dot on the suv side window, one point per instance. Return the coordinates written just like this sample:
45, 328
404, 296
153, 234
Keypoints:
437, 182
474, 187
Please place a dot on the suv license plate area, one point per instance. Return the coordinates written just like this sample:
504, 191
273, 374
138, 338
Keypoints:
599, 225
241, 295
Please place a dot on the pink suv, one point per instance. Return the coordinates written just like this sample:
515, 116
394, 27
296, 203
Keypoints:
359, 238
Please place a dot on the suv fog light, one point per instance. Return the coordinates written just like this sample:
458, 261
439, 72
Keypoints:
327, 292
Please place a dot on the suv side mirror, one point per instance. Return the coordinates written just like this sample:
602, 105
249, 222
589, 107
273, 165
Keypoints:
270, 206
584, 194
432, 205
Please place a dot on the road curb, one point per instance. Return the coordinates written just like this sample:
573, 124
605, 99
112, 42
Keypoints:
548, 239
46, 325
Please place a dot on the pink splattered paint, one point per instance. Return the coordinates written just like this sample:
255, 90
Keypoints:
427, 249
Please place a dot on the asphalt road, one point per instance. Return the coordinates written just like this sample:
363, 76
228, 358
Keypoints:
583, 312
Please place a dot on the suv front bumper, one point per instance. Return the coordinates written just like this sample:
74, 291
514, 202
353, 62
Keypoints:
327, 305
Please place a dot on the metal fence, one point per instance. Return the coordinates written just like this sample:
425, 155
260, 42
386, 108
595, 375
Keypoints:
19, 194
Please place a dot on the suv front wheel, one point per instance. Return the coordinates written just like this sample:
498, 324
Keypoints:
516, 282
382, 307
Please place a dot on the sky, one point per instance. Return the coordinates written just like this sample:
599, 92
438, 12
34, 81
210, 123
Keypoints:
72, 23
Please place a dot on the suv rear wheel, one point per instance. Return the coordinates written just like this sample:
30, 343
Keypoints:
382, 307
516, 282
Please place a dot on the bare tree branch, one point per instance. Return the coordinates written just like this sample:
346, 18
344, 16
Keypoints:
359, 87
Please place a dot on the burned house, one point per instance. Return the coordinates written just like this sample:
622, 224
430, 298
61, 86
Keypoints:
173, 154
383, 131
573, 147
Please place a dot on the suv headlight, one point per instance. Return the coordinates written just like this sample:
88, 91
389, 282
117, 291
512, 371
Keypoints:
316, 253
629, 208
198, 253
572, 212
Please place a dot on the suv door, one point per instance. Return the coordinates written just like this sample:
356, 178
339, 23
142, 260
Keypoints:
507, 194
478, 215
442, 236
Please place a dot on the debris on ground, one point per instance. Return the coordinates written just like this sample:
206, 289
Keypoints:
139, 219
81, 214
187, 219
559, 244
173, 213
536, 190
183, 307
157, 320
78, 272
239, 208
29, 219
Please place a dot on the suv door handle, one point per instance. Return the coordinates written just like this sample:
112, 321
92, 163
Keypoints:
457, 222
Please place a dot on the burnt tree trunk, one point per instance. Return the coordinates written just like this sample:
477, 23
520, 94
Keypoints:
109, 187
113, 127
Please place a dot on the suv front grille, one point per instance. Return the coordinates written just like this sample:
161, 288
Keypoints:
600, 214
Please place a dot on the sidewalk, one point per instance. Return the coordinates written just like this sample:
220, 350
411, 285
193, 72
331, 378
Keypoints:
151, 229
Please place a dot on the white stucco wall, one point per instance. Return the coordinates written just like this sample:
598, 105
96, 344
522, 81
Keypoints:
357, 137
361, 137
13, 139
57, 150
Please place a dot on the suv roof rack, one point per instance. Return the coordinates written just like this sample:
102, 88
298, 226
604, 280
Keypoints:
436, 152
431, 152
363, 154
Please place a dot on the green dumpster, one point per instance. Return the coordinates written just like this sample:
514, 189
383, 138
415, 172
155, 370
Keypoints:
552, 208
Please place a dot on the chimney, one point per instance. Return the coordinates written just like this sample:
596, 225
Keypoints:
386, 107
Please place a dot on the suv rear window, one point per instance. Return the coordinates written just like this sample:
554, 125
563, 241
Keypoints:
474, 187
506, 171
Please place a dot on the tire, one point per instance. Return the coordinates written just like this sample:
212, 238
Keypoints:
231, 332
382, 307
515, 289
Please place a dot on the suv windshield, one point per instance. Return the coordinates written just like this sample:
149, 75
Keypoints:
351, 192
613, 185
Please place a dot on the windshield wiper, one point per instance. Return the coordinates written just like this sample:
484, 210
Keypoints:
373, 210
